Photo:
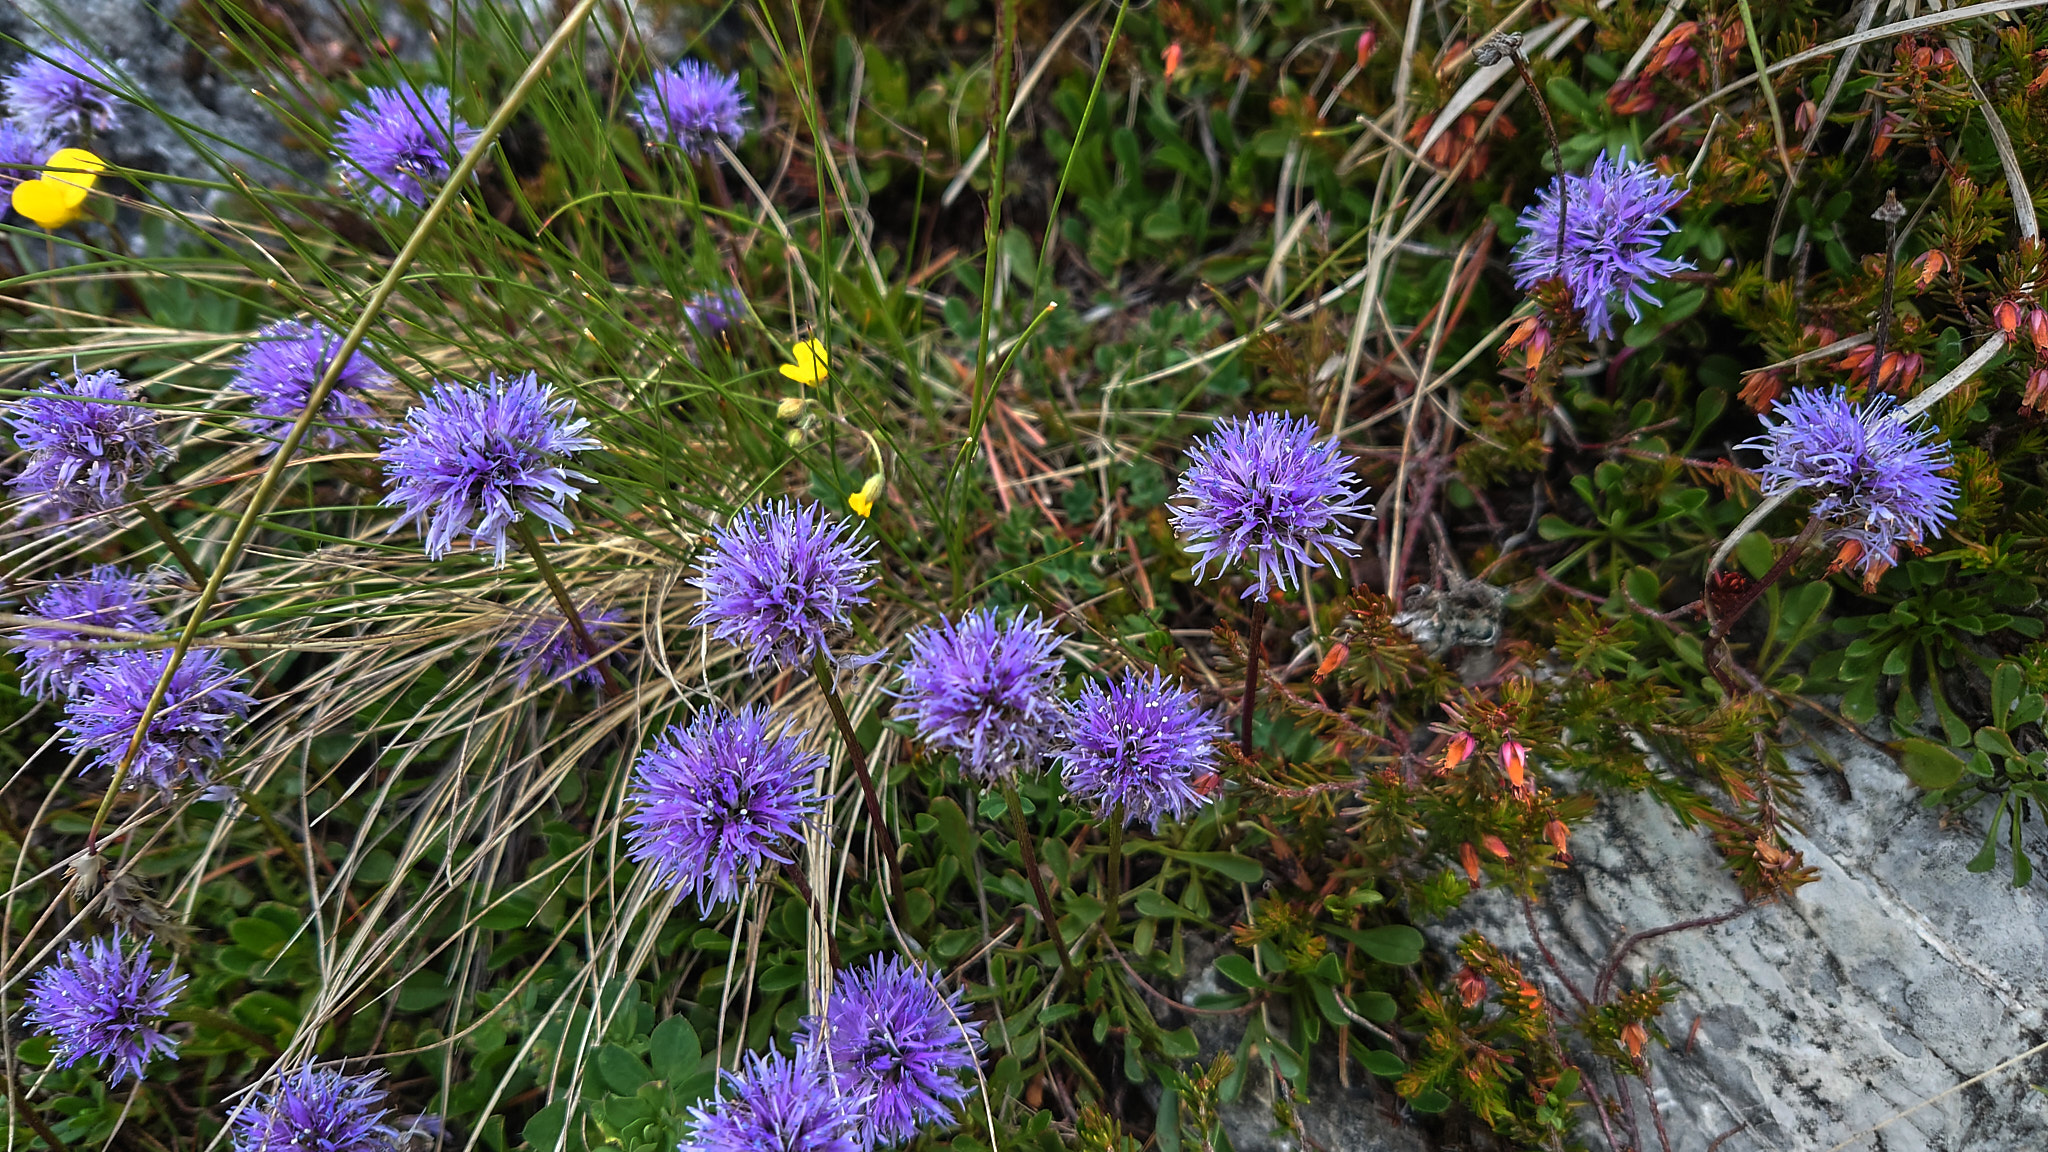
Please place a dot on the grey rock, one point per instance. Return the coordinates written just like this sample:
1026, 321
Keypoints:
1895, 977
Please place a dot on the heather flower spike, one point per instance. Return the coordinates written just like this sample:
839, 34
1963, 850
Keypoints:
399, 144
690, 106
63, 91
1615, 224
83, 452
894, 1038
1878, 480
986, 689
280, 368
779, 579
102, 1001
478, 459
1142, 745
317, 1110
108, 597
546, 648
1262, 491
777, 1103
715, 802
188, 733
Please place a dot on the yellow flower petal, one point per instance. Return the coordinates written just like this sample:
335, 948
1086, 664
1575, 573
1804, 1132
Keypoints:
74, 168
48, 203
811, 363
861, 504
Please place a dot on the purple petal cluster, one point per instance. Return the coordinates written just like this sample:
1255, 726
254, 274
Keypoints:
716, 801
894, 1039
1142, 745
1263, 490
397, 146
546, 648
62, 91
1876, 479
317, 1110
780, 578
1615, 225
107, 597
480, 458
776, 1103
984, 688
690, 106
84, 453
188, 734
101, 1001
281, 366
22, 148
713, 312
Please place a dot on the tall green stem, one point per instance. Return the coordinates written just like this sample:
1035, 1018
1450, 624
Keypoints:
1030, 861
523, 532
155, 522
1113, 878
857, 755
1251, 673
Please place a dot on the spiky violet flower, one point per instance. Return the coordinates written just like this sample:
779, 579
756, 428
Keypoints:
1262, 489
984, 688
779, 580
101, 1001
1615, 223
776, 1103
107, 597
710, 313
1878, 481
22, 151
894, 1038
480, 458
317, 1110
84, 453
397, 146
1140, 743
62, 90
279, 369
546, 647
188, 734
690, 106
714, 802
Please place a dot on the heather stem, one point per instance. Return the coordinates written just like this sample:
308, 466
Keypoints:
1251, 674
1030, 854
857, 755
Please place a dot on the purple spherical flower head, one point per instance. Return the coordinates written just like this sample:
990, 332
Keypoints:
713, 312
82, 453
62, 90
1262, 489
715, 801
779, 578
547, 648
892, 1036
22, 151
690, 106
1878, 480
984, 688
317, 1110
1142, 744
1615, 224
776, 1103
400, 143
106, 598
187, 736
279, 369
101, 1000
480, 458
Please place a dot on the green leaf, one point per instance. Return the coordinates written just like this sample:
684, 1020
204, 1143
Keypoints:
1228, 865
2022, 868
1388, 944
544, 1130
1378, 1007
1240, 971
674, 1049
1180, 1044
1430, 1101
1382, 1063
1932, 766
1326, 1002
953, 831
1997, 743
1987, 856
621, 1071
781, 978
2006, 685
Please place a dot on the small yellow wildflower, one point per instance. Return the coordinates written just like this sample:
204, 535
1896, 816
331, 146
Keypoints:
811, 362
863, 501
58, 197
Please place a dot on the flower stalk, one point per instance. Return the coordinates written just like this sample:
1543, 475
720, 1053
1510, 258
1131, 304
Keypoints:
857, 755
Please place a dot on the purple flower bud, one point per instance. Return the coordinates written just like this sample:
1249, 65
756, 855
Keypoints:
58, 91
317, 1110
83, 453
101, 1001
1263, 490
399, 144
690, 106
894, 1038
279, 369
713, 312
779, 580
546, 648
985, 689
187, 736
777, 1103
1142, 744
1615, 223
107, 598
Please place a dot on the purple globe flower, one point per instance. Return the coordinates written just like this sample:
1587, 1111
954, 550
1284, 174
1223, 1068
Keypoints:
481, 458
280, 368
187, 736
101, 1001
715, 801
894, 1038
317, 1110
1615, 224
61, 91
83, 453
106, 598
984, 688
776, 1103
1262, 489
713, 312
690, 106
400, 143
1141, 744
22, 149
779, 580
546, 648
1878, 481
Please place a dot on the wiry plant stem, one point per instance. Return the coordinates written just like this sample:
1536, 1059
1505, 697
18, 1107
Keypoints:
857, 755
1251, 675
1022, 830
523, 532
155, 522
